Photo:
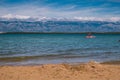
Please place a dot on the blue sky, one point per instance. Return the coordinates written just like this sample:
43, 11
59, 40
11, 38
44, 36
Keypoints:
61, 8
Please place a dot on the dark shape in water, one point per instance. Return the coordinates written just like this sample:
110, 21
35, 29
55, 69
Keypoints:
118, 40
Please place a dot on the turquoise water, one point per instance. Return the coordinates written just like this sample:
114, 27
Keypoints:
30, 49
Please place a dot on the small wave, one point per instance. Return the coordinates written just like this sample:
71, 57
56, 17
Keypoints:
68, 50
80, 50
8, 53
50, 56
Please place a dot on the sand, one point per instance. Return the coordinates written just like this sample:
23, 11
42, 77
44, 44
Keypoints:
86, 71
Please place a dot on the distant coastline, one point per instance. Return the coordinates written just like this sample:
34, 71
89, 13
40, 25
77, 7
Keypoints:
59, 32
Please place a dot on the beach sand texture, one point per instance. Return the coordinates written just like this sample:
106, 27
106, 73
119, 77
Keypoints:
64, 71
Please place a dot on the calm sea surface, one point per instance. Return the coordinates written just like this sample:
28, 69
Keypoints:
31, 49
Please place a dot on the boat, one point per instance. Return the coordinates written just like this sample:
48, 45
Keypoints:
90, 36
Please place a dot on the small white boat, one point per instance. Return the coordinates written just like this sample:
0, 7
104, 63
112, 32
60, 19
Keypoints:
90, 36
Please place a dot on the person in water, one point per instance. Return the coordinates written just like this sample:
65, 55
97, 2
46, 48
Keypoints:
89, 34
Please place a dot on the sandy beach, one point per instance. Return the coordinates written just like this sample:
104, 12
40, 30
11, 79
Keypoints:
64, 71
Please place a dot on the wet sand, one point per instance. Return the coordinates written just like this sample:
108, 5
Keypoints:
64, 71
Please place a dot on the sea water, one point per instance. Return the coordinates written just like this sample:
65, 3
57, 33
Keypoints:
32, 49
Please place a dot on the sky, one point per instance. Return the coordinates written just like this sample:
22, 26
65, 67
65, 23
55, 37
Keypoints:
77, 9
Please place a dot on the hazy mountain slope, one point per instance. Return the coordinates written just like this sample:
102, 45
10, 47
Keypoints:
59, 26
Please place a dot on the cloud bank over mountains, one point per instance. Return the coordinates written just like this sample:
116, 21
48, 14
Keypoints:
10, 16
26, 18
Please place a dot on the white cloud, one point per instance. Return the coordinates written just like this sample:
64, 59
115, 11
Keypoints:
10, 16
39, 18
98, 18
115, 18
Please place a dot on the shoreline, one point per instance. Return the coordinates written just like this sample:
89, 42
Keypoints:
59, 32
63, 71
111, 62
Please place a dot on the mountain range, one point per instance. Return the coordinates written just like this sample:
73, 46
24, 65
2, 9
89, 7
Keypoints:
58, 26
